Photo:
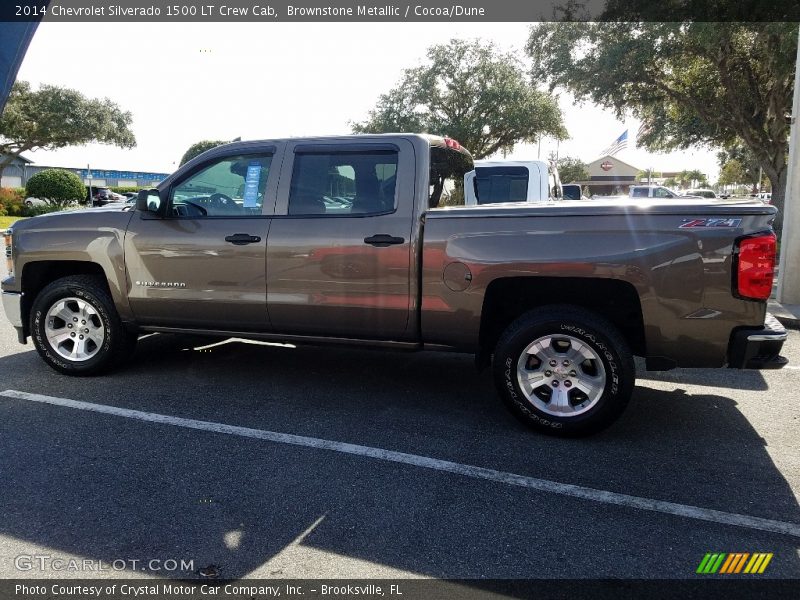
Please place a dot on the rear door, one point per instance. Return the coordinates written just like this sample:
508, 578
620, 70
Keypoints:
202, 264
339, 252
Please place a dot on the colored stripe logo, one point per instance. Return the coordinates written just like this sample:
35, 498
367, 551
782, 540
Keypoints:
735, 562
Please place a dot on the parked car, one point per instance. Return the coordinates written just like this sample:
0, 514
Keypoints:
557, 297
30, 202
655, 191
104, 195
700, 193
573, 191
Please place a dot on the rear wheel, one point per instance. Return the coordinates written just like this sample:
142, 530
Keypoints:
76, 329
564, 370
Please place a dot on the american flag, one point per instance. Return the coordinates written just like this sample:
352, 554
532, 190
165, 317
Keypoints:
617, 145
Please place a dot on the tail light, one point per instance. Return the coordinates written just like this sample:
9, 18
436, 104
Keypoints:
7, 251
755, 266
451, 143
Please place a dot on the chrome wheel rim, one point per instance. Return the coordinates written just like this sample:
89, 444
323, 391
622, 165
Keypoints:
560, 375
74, 329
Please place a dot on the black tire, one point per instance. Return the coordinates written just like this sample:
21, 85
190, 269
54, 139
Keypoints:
562, 325
117, 344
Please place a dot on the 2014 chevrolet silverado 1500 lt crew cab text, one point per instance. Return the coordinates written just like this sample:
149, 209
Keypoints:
362, 240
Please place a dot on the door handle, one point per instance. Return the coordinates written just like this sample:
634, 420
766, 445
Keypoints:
382, 240
241, 239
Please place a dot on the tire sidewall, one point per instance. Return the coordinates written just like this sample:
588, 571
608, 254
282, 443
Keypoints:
618, 387
41, 307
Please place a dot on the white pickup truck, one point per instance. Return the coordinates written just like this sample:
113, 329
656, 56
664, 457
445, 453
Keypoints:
492, 182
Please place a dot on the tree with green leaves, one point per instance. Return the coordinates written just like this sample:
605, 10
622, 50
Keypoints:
54, 117
746, 161
59, 186
198, 148
693, 177
472, 92
732, 173
708, 83
572, 169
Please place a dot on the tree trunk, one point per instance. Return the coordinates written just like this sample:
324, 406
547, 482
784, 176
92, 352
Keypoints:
779, 197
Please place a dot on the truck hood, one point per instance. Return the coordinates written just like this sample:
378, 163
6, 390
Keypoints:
110, 215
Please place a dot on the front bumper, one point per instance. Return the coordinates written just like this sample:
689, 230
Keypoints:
758, 348
12, 305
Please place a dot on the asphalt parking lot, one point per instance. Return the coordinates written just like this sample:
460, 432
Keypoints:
187, 459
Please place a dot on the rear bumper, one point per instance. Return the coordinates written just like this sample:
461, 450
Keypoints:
758, 348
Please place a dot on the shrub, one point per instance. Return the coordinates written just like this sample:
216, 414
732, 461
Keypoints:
57, 185
12, 201
39, 209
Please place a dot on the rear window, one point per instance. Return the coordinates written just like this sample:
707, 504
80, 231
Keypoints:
501, 184
448, 167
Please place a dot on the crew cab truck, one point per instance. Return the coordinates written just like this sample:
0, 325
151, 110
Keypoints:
346, 240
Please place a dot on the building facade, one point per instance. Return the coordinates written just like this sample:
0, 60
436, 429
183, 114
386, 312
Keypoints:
21, 169
609, 176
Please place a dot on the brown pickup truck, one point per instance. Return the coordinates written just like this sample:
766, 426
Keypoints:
363, 240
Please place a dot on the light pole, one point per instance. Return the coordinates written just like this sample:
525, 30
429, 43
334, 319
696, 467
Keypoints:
789, 274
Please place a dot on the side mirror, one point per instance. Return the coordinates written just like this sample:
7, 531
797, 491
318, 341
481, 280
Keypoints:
148, 201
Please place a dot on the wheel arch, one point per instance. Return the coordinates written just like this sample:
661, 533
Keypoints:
38, 274
506, 299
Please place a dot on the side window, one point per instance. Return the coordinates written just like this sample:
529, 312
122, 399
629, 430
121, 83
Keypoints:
639, 192
231, 187
662, 193
343, 183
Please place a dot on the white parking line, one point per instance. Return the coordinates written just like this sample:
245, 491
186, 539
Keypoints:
542, 485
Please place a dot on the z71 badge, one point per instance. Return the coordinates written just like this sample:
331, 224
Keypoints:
710, 223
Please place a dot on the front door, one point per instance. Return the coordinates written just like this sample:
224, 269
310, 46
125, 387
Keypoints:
202, 264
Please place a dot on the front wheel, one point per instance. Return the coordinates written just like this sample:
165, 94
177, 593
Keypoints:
564, 370
76, 328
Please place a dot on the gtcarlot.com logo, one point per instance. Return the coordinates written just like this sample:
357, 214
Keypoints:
46, 562
730, 563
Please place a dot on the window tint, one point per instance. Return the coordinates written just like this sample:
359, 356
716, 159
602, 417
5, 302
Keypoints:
232, 187
501, 184
343, 183
638, 192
